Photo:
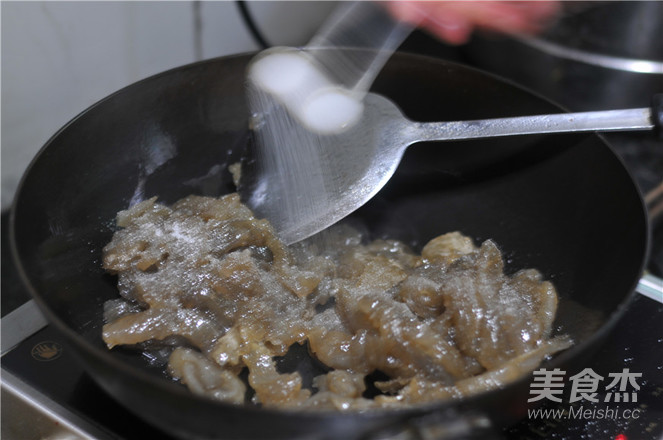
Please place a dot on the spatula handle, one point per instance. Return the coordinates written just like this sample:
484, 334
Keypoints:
608, 120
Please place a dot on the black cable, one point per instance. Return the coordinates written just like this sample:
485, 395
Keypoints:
197, 31
253, 29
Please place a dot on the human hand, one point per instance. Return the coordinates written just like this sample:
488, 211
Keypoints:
454, 21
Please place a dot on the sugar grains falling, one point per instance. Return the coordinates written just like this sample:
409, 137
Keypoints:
302, 103
295, 110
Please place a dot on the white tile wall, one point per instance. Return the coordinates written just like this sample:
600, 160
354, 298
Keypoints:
58, 58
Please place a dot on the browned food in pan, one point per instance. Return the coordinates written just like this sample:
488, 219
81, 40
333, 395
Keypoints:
207, 277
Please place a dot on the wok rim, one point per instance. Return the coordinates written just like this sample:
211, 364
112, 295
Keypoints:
398, 414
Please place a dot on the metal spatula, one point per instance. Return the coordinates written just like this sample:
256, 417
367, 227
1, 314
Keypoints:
343, 171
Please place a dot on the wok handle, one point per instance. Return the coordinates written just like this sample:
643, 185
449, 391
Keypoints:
607, 120
651, 287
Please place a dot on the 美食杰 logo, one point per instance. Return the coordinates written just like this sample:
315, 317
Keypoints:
586, 386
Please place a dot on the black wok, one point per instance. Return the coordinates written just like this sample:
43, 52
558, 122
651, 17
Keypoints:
563, 204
